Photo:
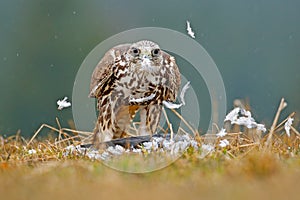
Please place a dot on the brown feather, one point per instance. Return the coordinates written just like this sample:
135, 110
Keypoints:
103, 70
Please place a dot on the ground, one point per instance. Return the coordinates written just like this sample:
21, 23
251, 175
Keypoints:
255, 176
239, 164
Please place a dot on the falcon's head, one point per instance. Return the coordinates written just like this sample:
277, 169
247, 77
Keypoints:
145, 54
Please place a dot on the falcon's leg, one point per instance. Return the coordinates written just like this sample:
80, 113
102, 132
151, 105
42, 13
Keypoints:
103, 128
152, 117
143, 125
123, 119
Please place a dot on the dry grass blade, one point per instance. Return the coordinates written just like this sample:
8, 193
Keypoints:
281, 106
61, 132
85, 133
166, 117
295, 131
185, 122
39, 130
281, 123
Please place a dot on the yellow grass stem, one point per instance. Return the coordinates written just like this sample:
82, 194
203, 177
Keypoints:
268, 143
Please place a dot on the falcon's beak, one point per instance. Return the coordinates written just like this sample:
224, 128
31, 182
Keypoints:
145, 54
145, 60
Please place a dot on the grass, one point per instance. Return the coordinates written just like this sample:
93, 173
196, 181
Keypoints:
249, 167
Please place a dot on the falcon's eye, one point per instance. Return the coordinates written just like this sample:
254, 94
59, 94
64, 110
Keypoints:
155, 52
135, 51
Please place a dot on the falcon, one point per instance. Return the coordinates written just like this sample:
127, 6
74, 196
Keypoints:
131, 79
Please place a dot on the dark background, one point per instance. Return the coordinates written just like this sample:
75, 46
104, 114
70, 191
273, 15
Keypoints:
255, 44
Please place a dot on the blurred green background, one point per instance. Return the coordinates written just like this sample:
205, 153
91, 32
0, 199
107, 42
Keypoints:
255, 44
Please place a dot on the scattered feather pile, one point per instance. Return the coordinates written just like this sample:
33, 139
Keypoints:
172, 147
242, 117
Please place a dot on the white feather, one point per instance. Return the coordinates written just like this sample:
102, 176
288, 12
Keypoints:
189, 29
171, 105
63, 103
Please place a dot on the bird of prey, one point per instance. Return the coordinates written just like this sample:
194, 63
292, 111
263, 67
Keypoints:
131, 78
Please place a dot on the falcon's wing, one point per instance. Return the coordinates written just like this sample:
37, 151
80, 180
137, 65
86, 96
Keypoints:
173, 77
103, 71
